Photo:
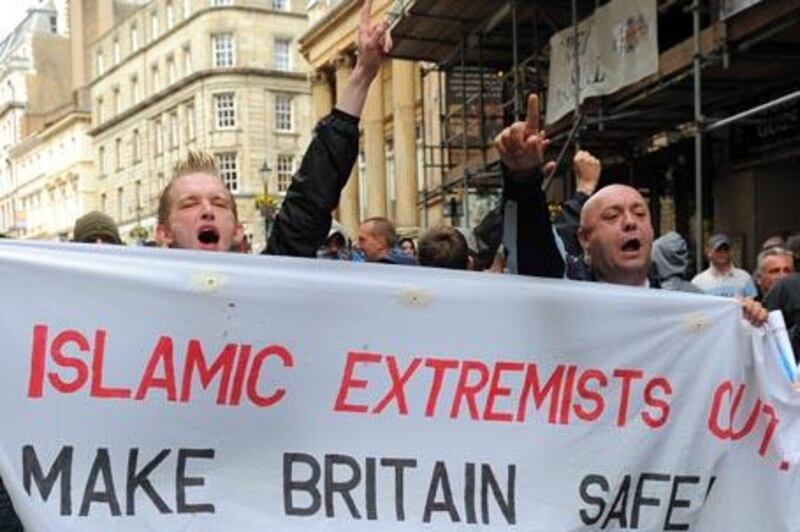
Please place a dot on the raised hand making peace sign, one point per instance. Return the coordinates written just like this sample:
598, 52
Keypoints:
374, 45
374, 40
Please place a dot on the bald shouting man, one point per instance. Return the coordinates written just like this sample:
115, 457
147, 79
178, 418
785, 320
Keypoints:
615, 229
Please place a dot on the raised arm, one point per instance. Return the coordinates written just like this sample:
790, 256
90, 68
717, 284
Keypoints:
304, 220
527, 232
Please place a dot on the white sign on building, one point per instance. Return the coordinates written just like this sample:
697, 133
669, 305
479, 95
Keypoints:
617, 46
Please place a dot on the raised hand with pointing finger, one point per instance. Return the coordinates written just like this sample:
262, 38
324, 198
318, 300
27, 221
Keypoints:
522, 145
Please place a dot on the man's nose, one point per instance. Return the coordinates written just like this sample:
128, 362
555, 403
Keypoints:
206, 210
629, 221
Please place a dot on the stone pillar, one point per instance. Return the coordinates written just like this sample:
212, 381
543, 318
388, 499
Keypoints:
321, 94
349, 214
375, 149
405, 146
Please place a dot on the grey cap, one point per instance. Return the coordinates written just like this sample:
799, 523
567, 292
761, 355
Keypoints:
717, 240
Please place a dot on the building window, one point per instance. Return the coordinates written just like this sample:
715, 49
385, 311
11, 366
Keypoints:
118, 153
100, 63
136, 146
283, 58
226, 162
135, 95
172, 70
223, 49
154, 28
285, 172
280, 5
174, 133
53, 24
104, 203
170, 15
138, 184
190, 122
156, 79
187, 60
134, 37
117, 52
283, 113
225, 110
101, 160
187, 8
158, 134
219, 3
117, 101
99, 111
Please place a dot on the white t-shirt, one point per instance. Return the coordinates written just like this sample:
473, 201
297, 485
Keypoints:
732, 283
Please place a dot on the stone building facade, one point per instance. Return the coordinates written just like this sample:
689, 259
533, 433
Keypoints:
222, 76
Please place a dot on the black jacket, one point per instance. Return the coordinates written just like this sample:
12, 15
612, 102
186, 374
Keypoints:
304, 220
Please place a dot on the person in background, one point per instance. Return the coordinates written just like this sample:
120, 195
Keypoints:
408, 246
722, 278
337, 246
96, 228
377, 240
445, 247
670, 258
774, 264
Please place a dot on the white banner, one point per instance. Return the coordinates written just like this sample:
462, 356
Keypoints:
617, 46
148, 389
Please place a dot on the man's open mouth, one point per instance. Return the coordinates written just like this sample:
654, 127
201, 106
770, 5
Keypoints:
208, 236
632, 245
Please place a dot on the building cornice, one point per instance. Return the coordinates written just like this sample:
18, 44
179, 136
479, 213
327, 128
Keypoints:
339, 11
189, 80
49, 131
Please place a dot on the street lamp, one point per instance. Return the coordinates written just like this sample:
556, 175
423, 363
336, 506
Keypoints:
264, 172
264, 202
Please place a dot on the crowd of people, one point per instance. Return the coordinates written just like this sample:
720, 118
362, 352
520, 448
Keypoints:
600, 235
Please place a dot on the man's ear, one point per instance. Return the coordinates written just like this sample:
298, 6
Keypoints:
238, 234
583, 238
164, 236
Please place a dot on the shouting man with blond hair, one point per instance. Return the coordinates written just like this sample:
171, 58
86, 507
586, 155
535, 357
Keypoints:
197, 211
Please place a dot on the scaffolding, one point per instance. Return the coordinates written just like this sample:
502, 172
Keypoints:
486, 56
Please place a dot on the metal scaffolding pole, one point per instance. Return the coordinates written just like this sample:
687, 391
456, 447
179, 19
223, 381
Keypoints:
755, 110
482, 102
698, 137
465, 139
515, 54
576, 118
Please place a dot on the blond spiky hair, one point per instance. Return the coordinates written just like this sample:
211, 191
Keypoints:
196, 162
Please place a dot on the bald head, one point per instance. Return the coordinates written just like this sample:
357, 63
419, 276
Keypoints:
617, 235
